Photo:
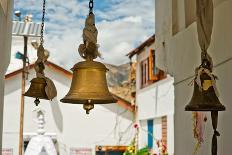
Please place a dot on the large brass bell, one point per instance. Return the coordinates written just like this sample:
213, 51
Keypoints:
37, 89
89, 85
204, 99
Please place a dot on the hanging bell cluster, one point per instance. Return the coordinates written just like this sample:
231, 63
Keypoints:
204, 98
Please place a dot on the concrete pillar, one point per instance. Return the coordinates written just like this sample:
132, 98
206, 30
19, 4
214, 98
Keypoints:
6, 9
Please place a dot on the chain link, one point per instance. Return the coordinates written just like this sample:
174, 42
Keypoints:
42, 24
90, 6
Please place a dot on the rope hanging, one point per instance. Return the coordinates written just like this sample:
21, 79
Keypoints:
89, 49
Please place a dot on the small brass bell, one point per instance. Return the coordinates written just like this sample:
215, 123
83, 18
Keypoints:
41, 87
205, 99
89, 85
37, 89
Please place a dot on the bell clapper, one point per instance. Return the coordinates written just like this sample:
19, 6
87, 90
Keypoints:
37, 101
88, 106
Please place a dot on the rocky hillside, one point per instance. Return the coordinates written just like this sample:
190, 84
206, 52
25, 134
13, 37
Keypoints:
118, 78
117, 75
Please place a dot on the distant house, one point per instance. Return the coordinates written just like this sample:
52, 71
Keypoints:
107, 128
154, 98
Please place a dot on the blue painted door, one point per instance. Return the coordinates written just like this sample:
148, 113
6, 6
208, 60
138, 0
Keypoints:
150, 134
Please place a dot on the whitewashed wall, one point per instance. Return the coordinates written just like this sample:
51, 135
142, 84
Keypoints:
182, 56
17, 46
5, 44
155, 101
73, 127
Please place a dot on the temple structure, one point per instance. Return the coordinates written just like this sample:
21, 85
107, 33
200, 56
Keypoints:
40, 144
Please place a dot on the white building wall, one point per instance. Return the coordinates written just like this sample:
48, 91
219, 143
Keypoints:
143, 135
154, 101
17, 46
106, 125
182, 56
5, 44
163, 14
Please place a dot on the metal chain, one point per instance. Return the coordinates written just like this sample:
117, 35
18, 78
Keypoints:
90, 6
42, 24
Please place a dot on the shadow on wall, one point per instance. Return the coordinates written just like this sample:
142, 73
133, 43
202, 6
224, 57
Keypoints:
57, 115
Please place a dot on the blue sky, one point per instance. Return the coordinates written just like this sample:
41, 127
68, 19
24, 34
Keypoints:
122, 25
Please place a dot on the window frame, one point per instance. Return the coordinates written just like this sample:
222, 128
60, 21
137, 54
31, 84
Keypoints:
147, 74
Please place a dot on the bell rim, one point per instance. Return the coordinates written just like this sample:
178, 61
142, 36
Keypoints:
84, 101
42, 98
205, 108
31, 96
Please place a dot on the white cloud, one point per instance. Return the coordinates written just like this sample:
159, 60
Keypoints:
122, 25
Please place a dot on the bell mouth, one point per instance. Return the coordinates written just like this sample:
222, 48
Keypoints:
84, 101
89, 97
36, 96
205, 108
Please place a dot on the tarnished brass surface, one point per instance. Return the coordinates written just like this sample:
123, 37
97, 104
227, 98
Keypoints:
206, 99
89, 85
37, 89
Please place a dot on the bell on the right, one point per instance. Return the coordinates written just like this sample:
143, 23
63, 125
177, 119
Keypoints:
204, 98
